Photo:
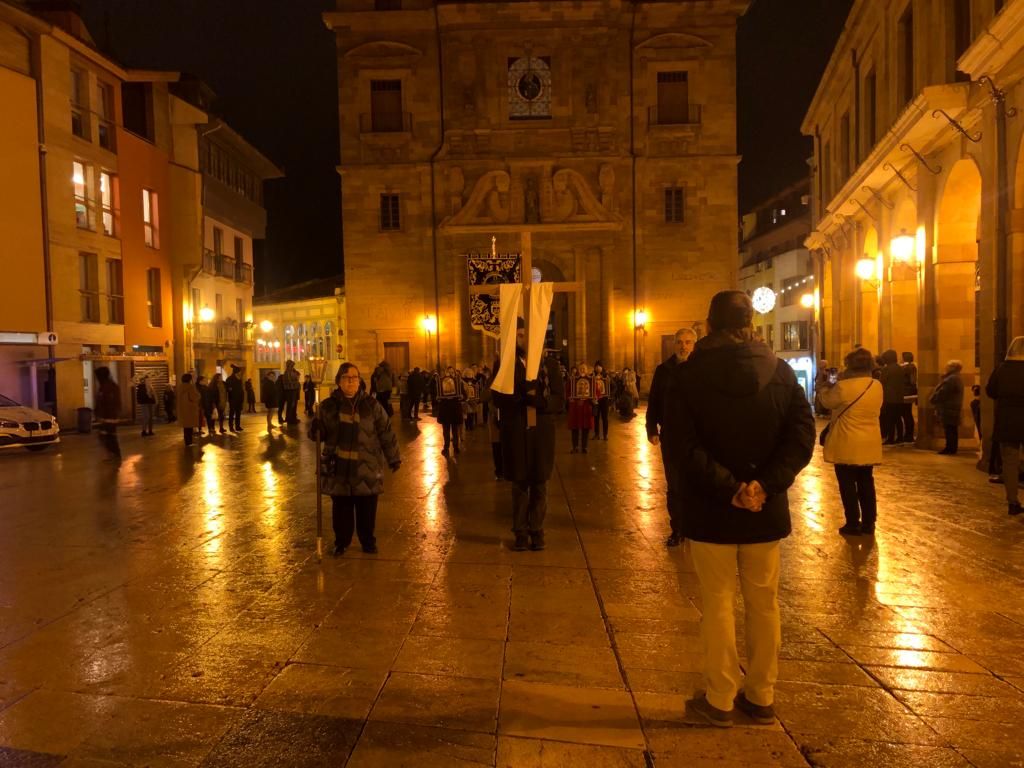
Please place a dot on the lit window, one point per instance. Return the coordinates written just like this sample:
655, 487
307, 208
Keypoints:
80, 180
107, 202
150, 218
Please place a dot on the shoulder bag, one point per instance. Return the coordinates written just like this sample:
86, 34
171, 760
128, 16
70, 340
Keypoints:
824, 433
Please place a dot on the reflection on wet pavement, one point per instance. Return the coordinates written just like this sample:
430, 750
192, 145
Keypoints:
172, 612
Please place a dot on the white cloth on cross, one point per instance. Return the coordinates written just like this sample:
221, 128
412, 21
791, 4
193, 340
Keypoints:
510, 297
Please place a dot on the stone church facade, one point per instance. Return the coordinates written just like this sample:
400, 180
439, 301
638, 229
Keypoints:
605, 130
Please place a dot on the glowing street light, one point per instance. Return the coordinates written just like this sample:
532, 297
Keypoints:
866, 269
206, 315
640, 319
266, 326
807, 300
903, 247
429, 323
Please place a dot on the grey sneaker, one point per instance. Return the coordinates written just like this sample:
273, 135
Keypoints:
757, 713
700, 706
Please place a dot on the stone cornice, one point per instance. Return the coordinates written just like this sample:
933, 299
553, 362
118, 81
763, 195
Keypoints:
996, 47
915, 127
839, 58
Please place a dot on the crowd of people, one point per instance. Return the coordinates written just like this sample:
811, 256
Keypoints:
733, 424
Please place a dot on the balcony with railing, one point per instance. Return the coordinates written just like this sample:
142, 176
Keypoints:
679, 116
243, 273
222, 333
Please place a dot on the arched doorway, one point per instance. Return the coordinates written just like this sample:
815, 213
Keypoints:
956, 267
559, 334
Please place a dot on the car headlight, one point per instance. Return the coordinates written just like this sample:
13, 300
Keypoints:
9, 425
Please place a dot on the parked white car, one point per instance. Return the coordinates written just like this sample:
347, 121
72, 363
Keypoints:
21, 426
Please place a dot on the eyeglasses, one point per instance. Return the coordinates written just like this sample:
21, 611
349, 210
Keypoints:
350, 378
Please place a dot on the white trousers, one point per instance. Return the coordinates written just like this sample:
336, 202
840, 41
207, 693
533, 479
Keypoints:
758, 566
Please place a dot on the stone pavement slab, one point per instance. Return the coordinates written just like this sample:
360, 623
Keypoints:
171, 611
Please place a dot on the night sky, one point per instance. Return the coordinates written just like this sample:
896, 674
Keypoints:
273, 66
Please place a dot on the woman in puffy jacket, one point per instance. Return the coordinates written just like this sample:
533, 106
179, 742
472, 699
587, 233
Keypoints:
357, 444
854, 443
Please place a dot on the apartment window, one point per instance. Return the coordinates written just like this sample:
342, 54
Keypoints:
905, 52
794, 336
870, 112
218, 240
105, 112
107, 203
80, 180
386, 106
218, 303
790, 291
673, 98
675, 205
89, 287
239, 250
961, 34
196, 305
390, 219
79, 107
844, 148
137, 109
153, 298
240, 310
115, 292
151, 218
770, 339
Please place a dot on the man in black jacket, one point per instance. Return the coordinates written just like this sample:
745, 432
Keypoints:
236, 398
739, 430
685, 339
528, 443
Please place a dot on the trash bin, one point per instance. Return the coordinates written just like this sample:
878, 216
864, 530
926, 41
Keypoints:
85, 420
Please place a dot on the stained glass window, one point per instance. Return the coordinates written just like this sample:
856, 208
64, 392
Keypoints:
529, 88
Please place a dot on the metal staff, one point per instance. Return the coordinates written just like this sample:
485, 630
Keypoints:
317, 368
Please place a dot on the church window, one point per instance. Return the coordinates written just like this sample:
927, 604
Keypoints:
674, 99
386, 106
529, 88
675, 204
390, 219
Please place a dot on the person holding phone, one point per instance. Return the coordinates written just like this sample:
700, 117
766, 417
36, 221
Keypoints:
853, 442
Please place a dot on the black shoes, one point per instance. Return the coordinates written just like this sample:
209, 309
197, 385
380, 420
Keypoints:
759, 714
674, 540
370, 550
700, 706
339, 550
537, 541
849, 530
522, 542
1016, 509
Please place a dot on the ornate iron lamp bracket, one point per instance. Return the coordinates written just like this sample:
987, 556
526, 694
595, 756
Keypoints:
996, 93
879, 198
933, 171
900, 176
956, 126
866, 211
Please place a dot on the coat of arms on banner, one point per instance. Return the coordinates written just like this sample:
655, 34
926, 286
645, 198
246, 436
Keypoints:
490, 270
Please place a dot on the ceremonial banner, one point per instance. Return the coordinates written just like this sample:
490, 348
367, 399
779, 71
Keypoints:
490, 270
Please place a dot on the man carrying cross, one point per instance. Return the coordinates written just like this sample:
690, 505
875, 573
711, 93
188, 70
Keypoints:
528, 440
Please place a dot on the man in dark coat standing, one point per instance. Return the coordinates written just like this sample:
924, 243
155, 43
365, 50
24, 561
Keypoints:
1006, 387
416, 385
528, 443
739, 430
685, 340
236, 398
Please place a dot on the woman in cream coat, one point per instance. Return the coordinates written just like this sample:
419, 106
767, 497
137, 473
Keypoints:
854, 441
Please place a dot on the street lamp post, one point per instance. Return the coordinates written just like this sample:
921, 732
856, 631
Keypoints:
429, 324
317, 369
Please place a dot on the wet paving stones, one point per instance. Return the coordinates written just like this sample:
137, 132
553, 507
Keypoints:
171, 612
